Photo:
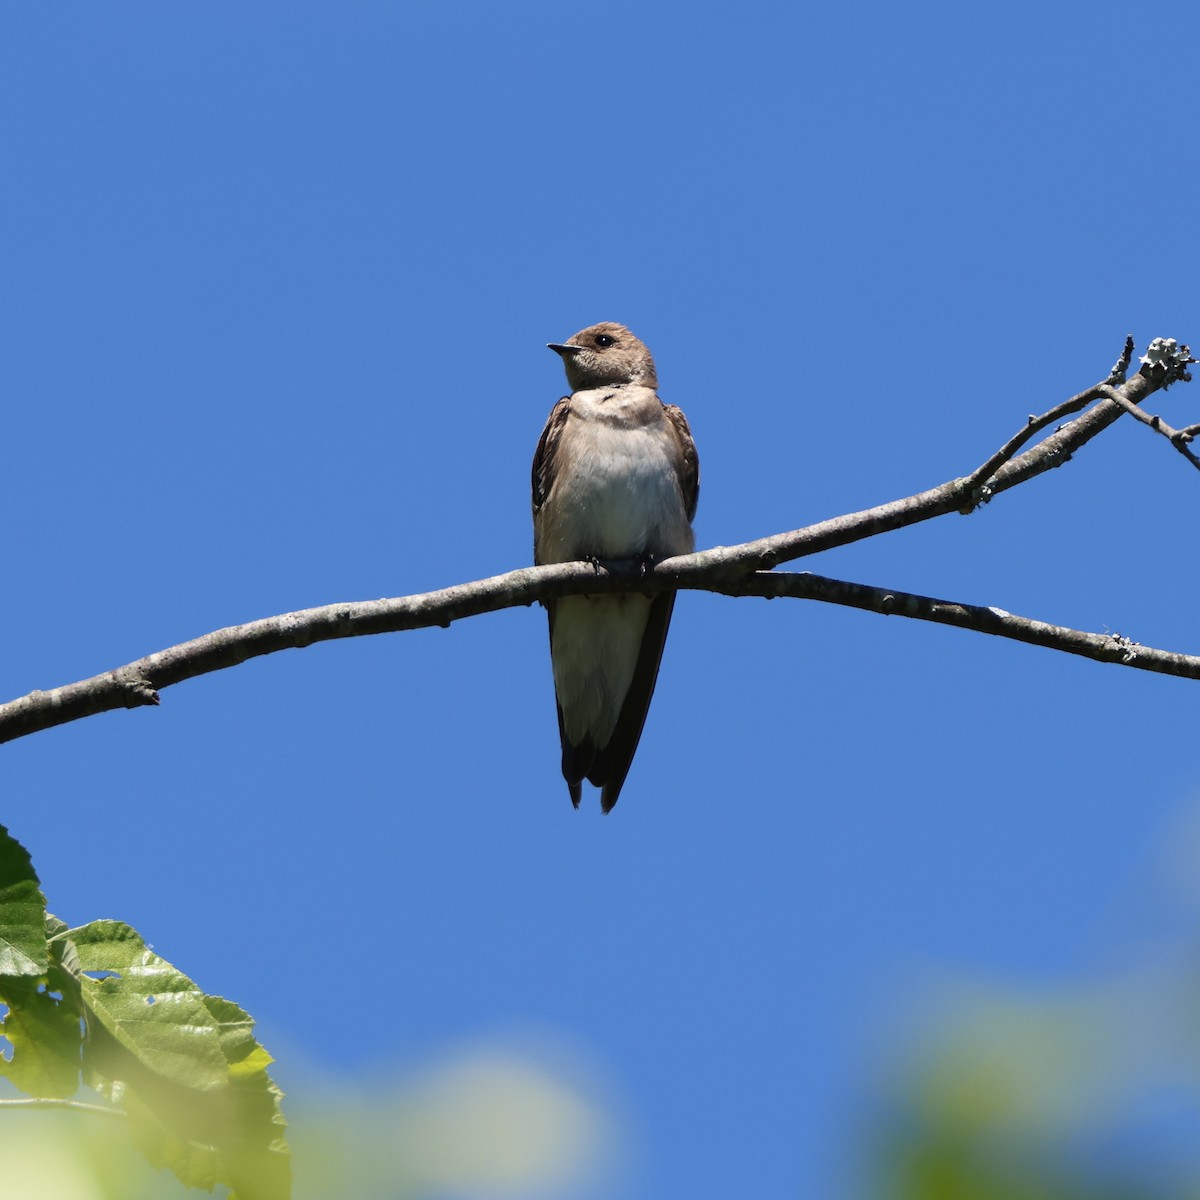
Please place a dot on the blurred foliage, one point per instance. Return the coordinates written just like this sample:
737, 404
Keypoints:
1051, 1099
485, 1124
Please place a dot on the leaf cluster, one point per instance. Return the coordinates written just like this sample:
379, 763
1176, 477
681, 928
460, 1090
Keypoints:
93, 1007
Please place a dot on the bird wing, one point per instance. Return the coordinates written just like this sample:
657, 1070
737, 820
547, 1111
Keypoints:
609, 766
689, 472
545, 458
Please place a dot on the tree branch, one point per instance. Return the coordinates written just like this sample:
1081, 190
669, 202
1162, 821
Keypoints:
730, 562
1101, 647
732, 570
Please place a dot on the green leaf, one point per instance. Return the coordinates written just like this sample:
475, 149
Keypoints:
185, 1066
242, 1052
259, 1161
154, 1012
45, 1036
22, 912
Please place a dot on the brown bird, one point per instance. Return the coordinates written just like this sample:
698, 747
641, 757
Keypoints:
615, 476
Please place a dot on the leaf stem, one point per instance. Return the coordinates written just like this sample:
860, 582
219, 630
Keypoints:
57, 1102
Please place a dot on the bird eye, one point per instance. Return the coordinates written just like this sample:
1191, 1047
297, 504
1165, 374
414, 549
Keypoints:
603, 340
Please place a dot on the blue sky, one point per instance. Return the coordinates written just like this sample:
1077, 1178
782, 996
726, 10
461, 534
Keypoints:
277, 285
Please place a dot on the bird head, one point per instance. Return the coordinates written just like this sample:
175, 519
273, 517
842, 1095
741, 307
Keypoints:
605, 355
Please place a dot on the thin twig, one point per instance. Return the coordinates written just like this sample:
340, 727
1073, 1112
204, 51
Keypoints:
1178, 438
974, 485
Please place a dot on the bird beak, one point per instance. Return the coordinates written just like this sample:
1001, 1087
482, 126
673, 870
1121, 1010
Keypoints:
563, 349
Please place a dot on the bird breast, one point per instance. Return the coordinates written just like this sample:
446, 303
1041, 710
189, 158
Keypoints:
617, 492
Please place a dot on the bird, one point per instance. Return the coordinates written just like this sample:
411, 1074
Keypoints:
615, 476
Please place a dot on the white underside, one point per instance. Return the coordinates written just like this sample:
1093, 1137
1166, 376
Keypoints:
617, 493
